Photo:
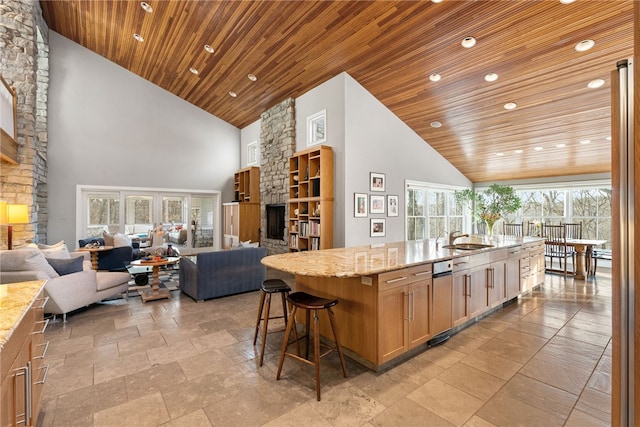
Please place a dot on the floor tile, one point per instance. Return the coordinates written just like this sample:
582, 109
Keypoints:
446, 401
145, 411
503, 410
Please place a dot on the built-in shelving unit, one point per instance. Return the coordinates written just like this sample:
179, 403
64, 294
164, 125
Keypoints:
311, 199
242, 217
246, 185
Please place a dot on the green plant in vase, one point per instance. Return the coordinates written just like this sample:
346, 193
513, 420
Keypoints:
490, 205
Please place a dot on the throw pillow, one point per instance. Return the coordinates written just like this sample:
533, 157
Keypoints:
108, 238
26, 259
59, 250
66, 266
120, 239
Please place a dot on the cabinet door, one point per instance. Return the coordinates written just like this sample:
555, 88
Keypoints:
419, 312
14, 391
459, 312
478, 296
513, 276
497, 283
393, 332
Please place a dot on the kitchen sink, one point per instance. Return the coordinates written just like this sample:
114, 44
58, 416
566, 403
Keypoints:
467, 246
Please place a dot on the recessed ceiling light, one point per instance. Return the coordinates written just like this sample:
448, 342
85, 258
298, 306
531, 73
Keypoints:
436, 1
538, 148
510, 105
194, 71
436, 124
491, 77
435, 77
561, 145
595, 84
252, 77
567, 1
138, 37
518, 151
468, 42
585, 45
585, 141
608, 138
146, 7
499, 154
209, 48
233, 94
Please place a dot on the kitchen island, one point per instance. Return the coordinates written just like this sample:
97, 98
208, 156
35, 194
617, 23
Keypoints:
22, 349
389, 308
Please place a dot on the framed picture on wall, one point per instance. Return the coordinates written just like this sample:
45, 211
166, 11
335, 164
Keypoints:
378, 227
377, 204
377, 181
360, 203
392, 206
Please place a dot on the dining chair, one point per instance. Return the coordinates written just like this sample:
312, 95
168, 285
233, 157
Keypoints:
555, 246
574, 231
533, 229
512, 229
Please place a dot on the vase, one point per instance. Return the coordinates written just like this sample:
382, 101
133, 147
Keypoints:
490, 224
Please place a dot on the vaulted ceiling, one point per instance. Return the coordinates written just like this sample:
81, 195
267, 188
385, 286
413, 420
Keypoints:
391, 48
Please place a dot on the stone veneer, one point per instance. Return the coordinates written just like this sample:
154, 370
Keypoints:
24, 64
277, 144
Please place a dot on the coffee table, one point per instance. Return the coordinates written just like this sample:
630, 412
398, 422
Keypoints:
155, 292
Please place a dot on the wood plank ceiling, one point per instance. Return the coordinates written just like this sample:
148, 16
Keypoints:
391, 48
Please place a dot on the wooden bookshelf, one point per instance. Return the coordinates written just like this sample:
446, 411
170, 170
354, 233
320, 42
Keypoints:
311, 199
246, 185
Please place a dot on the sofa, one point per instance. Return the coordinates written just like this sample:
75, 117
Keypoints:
177, 236
68, 291
116, 259
222, 273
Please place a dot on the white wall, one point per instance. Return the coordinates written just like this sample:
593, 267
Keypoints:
108, 126
248, 135
328, 96
378, 141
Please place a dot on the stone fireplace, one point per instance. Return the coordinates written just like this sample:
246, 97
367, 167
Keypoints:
277, 144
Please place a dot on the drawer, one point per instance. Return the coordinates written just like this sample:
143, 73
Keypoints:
461, 263
498, 255
479, 259
405, 276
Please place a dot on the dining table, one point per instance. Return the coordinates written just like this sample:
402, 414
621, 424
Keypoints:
584, 249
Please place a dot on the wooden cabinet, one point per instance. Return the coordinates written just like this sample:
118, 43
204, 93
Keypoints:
241, 223
404, 307
22, 370
513, 272
478, 300
497, 278
459, 310
311, 199
242, 216
246, 185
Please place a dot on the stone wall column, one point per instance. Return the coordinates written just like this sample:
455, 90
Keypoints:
24, 64
277, 144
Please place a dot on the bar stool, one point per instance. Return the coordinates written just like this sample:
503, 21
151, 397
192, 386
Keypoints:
269, 287
310, 303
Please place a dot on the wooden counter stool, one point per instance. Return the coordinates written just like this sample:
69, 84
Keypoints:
310, 303
269, 287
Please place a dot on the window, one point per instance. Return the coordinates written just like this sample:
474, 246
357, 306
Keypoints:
431, 211
252, 153
188, 219
586, 202
317, 128
102, 211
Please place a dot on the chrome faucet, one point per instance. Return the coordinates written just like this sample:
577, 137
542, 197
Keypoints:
454, 235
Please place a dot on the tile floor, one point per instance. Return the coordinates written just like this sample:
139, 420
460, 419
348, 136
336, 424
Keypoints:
542, 361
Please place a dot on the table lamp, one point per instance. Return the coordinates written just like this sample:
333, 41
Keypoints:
13, 214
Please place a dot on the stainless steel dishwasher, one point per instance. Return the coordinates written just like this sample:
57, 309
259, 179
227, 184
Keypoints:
441, 301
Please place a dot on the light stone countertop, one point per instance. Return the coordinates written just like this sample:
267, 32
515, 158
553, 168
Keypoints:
374, 259
15, 301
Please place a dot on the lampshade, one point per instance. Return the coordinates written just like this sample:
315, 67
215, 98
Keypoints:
17, 214
3, 213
